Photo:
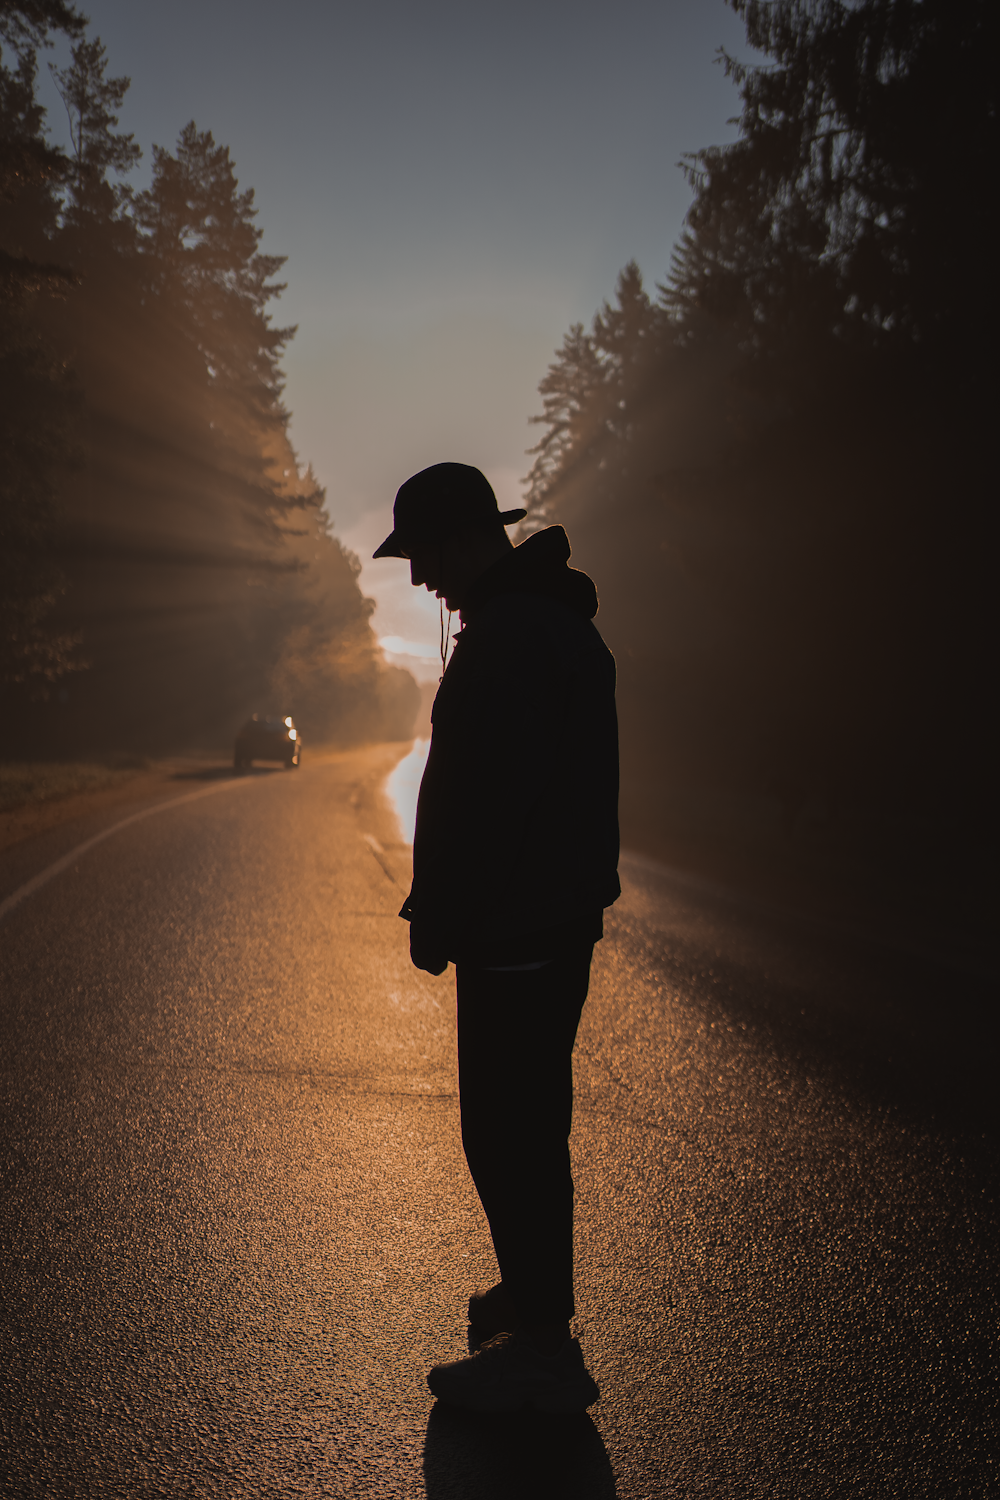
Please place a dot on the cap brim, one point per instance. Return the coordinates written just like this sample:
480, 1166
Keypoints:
391, 547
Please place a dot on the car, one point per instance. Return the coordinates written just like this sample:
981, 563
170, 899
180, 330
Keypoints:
268, 737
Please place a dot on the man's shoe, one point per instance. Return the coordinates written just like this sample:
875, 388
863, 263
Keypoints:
491, 1313
508, 1373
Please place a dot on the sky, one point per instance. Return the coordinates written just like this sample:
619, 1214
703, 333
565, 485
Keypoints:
454, 185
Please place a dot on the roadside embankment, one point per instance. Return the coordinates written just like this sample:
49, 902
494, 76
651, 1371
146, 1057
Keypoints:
29, 784
36, 796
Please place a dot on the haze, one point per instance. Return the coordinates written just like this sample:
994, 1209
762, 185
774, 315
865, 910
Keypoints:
453, 186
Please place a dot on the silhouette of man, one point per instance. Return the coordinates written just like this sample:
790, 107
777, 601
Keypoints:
515, 857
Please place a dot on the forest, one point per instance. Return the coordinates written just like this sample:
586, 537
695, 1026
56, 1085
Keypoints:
778, 465
166, 565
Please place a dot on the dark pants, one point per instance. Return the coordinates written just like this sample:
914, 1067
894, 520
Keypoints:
515, 1073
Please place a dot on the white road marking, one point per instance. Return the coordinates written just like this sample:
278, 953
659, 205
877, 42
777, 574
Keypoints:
43, 878
378, 854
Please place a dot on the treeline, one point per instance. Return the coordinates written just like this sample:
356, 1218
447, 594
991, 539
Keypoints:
167, 566
780, 466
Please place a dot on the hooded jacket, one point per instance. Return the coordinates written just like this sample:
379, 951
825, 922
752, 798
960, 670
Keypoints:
516, 842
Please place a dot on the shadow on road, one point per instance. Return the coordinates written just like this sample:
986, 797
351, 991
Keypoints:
470, 1456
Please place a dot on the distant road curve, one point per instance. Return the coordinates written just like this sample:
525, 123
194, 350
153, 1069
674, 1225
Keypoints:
44, 876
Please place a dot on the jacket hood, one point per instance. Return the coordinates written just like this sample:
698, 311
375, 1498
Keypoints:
537, 566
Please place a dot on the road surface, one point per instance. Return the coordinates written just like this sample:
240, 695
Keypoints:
237, 1227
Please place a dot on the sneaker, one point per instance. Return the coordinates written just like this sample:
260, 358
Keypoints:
491, 1313
508, 1373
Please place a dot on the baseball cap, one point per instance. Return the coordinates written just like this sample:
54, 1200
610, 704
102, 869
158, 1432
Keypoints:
444, 500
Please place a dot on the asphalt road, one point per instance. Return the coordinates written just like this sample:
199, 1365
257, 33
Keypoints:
236, 1225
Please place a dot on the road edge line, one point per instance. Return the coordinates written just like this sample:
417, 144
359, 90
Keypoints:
44, 876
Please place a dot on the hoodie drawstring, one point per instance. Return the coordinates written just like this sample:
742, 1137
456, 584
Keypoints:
444, 639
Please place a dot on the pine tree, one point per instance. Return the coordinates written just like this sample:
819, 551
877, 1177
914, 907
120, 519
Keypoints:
852, 204
26, 158
36, 397
779, 467
197, 557
92, 102
202, 246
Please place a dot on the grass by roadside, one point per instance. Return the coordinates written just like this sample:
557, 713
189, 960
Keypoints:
38, 796
26, 783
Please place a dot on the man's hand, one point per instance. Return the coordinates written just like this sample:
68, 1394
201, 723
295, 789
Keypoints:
425, 950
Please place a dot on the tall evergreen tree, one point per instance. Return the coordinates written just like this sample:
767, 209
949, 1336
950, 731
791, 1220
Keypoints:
780, 465
26, 158
197, 557
36, 398
202, 246
859, 170
92, 102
